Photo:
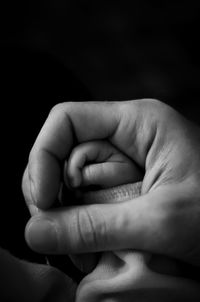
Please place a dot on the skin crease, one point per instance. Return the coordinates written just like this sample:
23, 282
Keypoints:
164, 220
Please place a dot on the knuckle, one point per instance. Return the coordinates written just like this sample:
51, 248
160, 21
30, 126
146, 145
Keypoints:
87, 174
86, 229
154, 105
90, 229
142, 103
64, 107
64, 110
56, 109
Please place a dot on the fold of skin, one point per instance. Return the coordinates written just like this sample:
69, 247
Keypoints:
130, 275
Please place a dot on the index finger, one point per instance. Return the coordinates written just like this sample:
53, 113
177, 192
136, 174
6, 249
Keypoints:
66, 124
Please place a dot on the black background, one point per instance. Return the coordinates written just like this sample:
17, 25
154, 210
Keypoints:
54, 51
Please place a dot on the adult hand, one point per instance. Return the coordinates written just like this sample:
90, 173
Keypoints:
24, 281
165, 219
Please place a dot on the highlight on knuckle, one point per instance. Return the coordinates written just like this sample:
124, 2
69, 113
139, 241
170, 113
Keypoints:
56, 109
64, 108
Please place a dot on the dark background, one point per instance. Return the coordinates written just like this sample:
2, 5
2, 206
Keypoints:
56, 50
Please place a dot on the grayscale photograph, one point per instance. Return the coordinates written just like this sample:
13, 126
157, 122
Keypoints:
100, 151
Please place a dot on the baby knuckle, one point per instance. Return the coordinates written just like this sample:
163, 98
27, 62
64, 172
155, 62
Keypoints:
88, 174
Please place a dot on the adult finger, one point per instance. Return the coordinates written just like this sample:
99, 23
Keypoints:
24, 281
146, 223
66, 123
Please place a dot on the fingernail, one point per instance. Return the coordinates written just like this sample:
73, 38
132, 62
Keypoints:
41, 235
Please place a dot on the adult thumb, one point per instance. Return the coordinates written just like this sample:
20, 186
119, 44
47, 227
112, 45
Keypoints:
154, 222
94, 227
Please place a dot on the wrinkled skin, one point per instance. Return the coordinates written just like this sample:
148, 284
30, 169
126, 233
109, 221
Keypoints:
165, 219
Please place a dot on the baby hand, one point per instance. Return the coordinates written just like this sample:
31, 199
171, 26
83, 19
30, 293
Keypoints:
99, 163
